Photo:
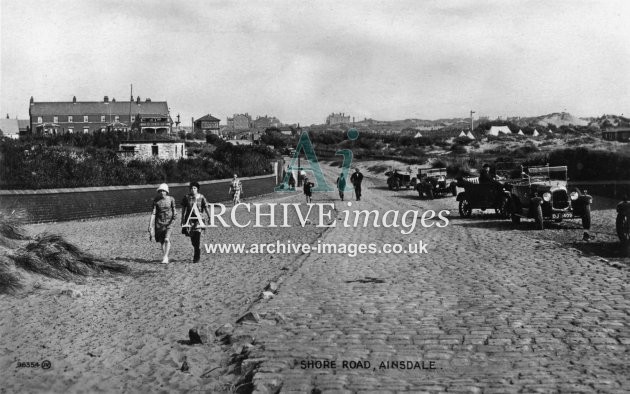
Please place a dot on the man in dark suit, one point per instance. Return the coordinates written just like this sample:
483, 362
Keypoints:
356, 180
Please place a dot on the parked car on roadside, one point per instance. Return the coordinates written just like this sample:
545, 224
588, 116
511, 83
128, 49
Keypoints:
541, 194
622, 223
396, 180
433, 182
483, 196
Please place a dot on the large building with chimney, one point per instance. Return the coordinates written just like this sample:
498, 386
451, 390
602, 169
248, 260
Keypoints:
264, 122
240, 122
60, 117
339, 118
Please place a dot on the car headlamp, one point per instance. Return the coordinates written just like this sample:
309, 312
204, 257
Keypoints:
574, 196
547, 196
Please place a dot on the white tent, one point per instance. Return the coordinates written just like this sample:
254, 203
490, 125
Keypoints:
535, 133
520, 132
496, 130
462, 134
470, 135
418, 135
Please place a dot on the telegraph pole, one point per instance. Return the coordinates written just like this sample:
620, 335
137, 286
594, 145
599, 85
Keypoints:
471, 120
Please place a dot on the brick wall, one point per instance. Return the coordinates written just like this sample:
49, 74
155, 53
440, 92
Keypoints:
90, 202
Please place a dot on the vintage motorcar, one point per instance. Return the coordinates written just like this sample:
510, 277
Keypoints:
495, 195
541, 194
396, 180
623, 221
433, 182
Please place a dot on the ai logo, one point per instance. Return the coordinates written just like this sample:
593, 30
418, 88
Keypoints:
305, 144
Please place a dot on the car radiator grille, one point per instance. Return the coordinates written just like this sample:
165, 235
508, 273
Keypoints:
560, 199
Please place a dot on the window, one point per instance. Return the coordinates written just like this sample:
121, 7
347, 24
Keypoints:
133, 118
55, 119
40, 120
102, 118
69, 119
117, 118
85, 119
154, 150
86, 130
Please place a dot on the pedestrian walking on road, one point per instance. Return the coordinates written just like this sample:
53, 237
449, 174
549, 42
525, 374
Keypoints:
194, 205
308, 190
341, 185
356, 180
291, 181
162, 218
236, 189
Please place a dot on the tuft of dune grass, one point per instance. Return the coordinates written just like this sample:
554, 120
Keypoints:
11, 228
9, 281
51, 255
11, 225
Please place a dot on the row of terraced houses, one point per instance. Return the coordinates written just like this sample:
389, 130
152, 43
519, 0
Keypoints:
60, 117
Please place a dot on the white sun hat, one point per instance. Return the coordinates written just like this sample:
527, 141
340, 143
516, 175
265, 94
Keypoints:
164, 187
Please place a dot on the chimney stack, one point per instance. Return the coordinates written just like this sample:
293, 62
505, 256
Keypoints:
32, 101
106, 99
138, 100
74, 99
148, 100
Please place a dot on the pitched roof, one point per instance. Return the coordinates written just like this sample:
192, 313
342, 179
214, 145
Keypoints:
24, 123
9, 127
208, 118
99, 107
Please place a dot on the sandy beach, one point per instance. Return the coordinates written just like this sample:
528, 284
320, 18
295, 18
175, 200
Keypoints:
127, 333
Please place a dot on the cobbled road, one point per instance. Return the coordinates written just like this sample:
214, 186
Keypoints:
486, 311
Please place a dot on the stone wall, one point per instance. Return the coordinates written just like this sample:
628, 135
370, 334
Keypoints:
83, 203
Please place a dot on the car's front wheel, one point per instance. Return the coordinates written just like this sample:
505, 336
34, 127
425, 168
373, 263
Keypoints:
538, 218
503, 210
586, 218
465, 210
623, 228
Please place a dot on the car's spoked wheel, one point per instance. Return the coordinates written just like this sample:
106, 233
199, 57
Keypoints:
503, 210
465, 210
586, 219
538, 218
623, 228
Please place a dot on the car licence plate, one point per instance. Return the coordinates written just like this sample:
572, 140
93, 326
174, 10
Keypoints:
561, 215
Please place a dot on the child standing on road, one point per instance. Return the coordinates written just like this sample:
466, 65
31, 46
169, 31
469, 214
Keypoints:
162, 218
308, 190
194, 205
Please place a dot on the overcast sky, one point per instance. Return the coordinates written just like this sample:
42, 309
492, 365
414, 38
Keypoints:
302, 60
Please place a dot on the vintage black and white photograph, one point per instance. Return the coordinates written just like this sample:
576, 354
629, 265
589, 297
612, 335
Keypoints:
378, 196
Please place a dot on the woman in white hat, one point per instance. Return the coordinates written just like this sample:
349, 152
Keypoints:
162, 219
